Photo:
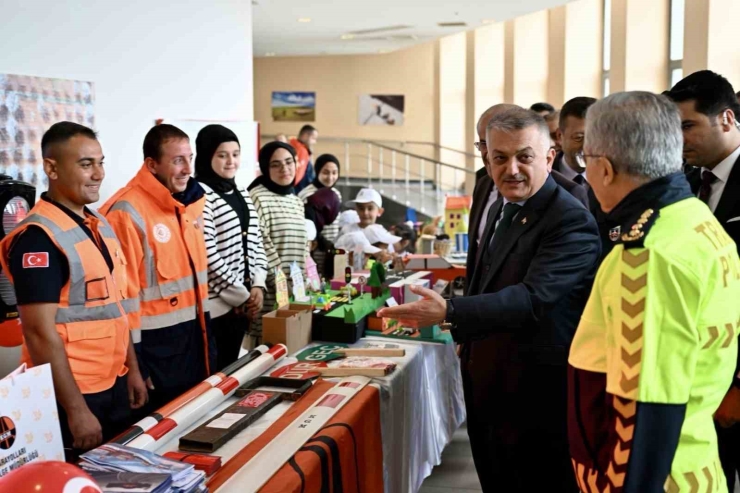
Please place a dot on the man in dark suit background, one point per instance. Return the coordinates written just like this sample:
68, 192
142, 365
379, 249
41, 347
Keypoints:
531, 279
709, 119
485, 193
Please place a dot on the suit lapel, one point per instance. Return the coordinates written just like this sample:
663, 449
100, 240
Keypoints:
476, 215
528, 216
727, 205
485, 239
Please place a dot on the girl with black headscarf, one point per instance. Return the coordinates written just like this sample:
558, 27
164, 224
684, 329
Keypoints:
323, 208
237, 264
281, 217
327, 176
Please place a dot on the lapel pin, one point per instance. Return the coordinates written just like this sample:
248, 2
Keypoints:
524, 221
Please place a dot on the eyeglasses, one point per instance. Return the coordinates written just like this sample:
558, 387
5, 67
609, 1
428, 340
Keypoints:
480, 144
276, 165
581, 158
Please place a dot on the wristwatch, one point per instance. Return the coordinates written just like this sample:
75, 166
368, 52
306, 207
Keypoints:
450, 315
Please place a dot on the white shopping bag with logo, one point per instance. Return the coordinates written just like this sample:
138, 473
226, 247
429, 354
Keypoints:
29, 422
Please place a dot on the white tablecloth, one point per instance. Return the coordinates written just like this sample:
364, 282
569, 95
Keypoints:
422, 405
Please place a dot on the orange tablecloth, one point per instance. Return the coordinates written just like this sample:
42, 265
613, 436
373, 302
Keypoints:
346, 455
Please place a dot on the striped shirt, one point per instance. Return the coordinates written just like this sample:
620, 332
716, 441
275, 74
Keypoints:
330, 232
226, 259
283, 227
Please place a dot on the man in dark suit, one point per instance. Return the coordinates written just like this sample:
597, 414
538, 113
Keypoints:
485, 193
533, 274
711, 149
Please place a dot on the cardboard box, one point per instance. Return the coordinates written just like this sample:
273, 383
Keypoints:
290, 326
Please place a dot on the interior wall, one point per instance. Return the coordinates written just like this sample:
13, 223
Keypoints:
338, 81
148, 59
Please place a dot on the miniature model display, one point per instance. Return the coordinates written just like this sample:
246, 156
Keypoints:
438, 266
457, 212
377, 278
281, 286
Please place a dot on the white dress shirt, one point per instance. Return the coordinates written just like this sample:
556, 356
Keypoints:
722, 172
492, 197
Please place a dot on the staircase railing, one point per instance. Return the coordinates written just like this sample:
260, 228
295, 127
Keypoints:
396, 171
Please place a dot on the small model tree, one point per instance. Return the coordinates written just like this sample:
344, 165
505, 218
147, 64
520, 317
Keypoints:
377, 278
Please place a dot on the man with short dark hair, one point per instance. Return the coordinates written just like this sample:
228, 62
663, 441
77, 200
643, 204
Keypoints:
159, 217
68, 272
533, 273
571, 130
543, 108
656, 346
303, 145
711, 147
553, 120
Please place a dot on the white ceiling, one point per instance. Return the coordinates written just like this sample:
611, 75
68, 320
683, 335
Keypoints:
277, 29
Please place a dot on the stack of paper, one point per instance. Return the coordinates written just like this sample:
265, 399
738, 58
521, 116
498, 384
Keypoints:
118, 458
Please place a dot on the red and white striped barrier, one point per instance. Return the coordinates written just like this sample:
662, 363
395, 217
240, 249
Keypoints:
255, 473
165, 411
188, 414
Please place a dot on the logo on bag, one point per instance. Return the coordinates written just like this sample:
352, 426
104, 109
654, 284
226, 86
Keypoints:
161, 233
35, 260
7, 433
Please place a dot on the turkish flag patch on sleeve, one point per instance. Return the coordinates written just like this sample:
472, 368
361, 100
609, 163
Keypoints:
35, 260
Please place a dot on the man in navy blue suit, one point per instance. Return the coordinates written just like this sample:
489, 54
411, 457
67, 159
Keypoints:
533, 273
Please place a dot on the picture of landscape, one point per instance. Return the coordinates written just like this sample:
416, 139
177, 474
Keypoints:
293, 106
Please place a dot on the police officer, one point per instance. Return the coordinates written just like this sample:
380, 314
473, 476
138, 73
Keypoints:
159, 217
67, 268
655, 350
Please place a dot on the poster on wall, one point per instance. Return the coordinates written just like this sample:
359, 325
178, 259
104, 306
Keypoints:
381, 110
28, 107
289, 106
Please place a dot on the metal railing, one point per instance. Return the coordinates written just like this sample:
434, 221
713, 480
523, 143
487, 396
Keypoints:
419, 179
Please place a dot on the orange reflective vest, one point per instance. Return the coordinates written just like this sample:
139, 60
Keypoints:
92, 315
302, 157
164, 244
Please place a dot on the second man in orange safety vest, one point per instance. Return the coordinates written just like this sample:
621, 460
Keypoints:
158, 217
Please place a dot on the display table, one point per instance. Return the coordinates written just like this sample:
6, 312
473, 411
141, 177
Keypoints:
415, 410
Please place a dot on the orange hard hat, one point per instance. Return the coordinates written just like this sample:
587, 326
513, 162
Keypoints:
49, 477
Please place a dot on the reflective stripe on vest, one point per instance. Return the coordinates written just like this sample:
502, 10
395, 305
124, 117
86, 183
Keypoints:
168, 319
153, 290
77, 311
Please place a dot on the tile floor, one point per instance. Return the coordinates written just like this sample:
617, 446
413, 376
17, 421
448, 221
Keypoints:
456, 473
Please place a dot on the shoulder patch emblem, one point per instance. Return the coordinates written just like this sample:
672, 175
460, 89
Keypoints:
35, 260
161, 233
636, 232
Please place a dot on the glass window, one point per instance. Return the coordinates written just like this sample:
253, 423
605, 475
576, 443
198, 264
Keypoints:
676, 76
677, 24
606, 87
607, 28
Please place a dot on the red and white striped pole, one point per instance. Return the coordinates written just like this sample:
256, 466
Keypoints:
198, 407
151, 421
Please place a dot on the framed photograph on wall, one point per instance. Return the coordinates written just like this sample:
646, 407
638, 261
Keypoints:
381, 110
291, 106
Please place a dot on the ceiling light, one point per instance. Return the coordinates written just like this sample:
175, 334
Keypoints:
382, 51
304, 19
347, 36
271, 53
488, 21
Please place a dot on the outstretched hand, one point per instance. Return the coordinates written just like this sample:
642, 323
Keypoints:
430, 310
